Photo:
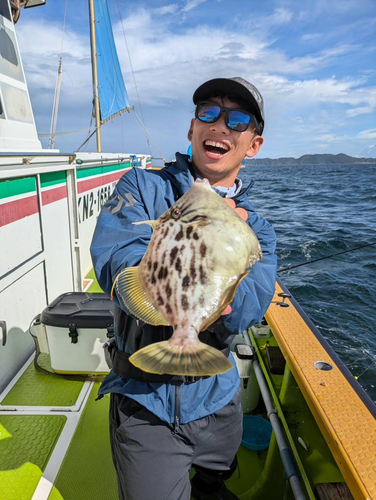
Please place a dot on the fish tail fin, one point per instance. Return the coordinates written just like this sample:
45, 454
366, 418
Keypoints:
197, 360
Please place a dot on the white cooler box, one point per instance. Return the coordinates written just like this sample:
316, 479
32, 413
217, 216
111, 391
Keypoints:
73, 330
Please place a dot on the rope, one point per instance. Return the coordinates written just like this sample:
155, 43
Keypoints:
134, 78
323, 258
65, 133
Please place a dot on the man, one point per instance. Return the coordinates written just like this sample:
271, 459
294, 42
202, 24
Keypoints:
160, 425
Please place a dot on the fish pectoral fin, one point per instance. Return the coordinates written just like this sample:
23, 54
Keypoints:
135, 299
197, 360
148, 222
227, 299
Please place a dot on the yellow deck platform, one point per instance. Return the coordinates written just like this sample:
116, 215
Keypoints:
345, 421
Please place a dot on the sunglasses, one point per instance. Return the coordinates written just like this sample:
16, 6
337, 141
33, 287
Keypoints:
235, 119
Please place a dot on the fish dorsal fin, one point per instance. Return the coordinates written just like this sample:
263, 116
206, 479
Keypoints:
130, 292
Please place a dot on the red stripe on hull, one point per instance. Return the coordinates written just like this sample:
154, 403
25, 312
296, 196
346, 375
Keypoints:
99, 181
54, 195
18, 209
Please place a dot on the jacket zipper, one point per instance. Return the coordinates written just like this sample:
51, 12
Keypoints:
177, 409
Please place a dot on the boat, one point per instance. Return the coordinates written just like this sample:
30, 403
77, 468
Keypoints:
310, 429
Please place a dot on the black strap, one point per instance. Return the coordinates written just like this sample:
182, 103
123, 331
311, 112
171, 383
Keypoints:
124, 368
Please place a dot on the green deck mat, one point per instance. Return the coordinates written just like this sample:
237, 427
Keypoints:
87, 472
40, 389
25, 451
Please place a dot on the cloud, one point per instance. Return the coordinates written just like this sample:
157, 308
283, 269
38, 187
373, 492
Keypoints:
311, 36
359, 111
367, 134
169, 63
192, 4
166, 9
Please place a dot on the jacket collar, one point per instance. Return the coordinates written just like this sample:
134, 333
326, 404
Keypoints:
183, 175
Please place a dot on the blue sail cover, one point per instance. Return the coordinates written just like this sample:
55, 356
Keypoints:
112, 94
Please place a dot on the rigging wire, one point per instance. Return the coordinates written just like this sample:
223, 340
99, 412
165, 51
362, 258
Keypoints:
134, 78
323, 258
55, 106
145, 130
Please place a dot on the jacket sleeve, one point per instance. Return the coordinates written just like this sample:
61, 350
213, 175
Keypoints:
117, 243
256, 291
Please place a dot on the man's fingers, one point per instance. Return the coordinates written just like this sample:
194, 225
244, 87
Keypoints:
240, 211
243, 213
227, 310
230, 202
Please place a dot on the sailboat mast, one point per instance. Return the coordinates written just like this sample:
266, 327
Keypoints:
94, 66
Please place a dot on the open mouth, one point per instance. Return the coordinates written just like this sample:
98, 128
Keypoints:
215, 149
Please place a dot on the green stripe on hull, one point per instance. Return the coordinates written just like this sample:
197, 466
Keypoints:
52, 178
14, 187
103, 169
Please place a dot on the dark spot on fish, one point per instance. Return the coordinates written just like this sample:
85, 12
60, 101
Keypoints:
149, 265
192, 269
161, 272
203, 250
171, 224
184, 302
182, 248
203, 276
168, 309
168, 290
186, 281
178, 266
180, 234
189, 230
165, 273
160, 300
164, 256
173, 254
195, 236
153, 280
201, 301
155, 265
166, 231
159, 243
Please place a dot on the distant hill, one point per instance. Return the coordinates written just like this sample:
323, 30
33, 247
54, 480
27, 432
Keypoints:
323, 159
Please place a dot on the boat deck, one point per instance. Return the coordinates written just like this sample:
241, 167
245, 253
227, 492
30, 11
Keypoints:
55, 444
346, 421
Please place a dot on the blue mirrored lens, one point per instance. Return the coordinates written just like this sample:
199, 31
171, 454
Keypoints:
208, 113
237, 120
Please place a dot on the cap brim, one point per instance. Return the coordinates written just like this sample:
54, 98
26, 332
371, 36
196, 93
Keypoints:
225, 86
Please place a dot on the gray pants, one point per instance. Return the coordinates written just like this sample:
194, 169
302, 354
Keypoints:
153, 463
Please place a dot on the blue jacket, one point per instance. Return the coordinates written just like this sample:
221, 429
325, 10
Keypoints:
117, 243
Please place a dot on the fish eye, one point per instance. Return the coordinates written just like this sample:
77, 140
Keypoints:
176, 213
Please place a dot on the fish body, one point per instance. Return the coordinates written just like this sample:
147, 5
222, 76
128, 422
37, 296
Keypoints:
199, 252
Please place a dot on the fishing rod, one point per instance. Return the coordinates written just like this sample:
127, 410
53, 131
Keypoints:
323, 258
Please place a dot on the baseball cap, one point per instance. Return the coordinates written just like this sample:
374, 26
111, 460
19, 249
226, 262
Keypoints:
233, 86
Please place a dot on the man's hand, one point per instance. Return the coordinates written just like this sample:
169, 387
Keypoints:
240, 211
244, 215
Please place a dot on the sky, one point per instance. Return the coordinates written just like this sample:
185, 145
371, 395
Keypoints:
314, 62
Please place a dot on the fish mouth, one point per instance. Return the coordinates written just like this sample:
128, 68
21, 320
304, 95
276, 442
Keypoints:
215, 149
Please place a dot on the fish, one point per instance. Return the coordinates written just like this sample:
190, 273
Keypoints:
199, 253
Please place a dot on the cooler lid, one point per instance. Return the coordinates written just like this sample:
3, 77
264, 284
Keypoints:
81, 309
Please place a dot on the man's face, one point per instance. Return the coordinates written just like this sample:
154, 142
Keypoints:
217, 151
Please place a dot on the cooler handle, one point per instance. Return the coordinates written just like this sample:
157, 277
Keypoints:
3, 327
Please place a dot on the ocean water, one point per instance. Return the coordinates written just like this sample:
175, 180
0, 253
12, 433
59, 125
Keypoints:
317, 211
